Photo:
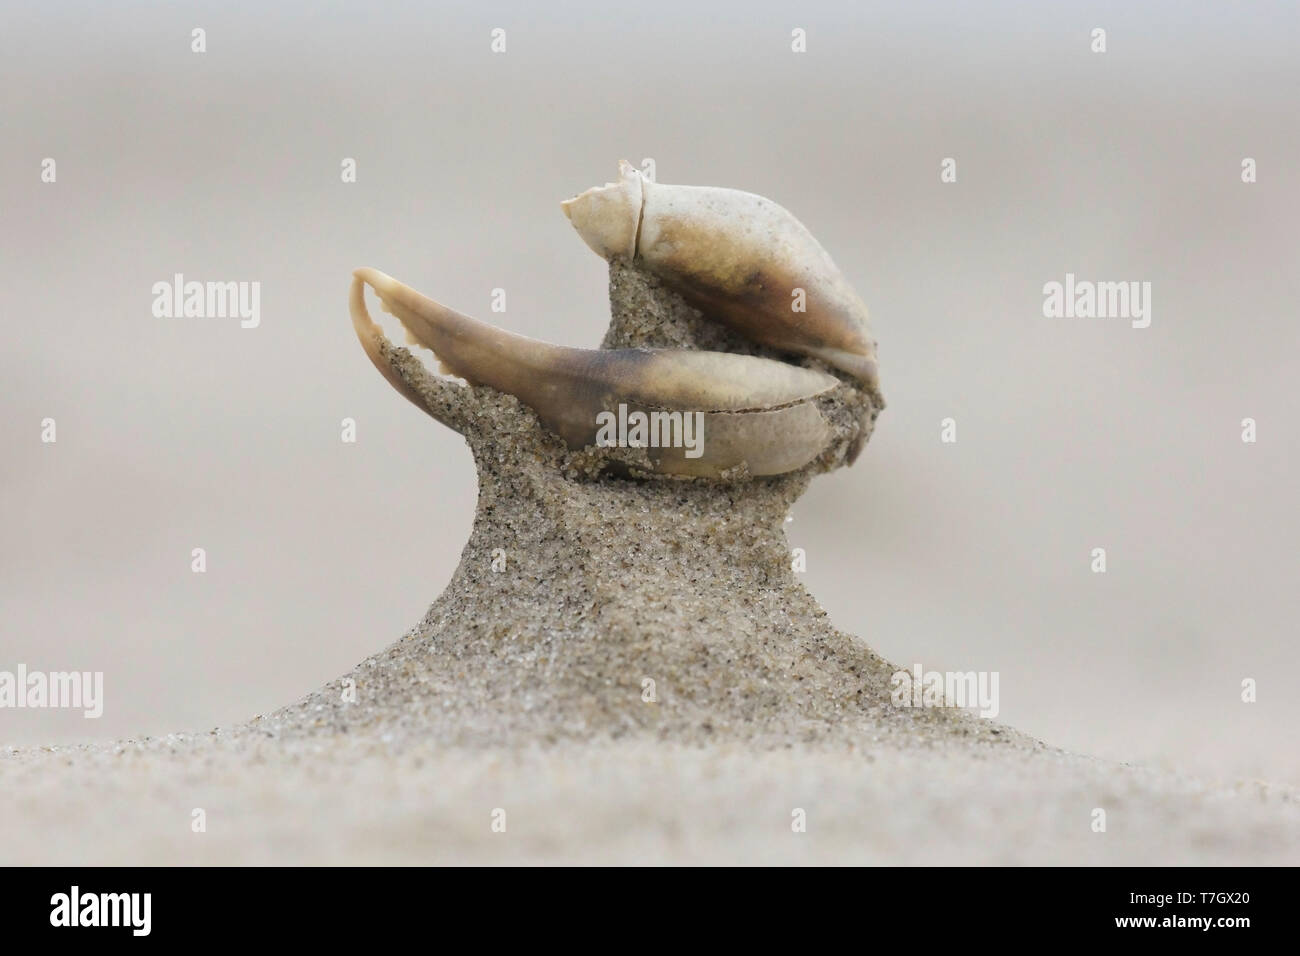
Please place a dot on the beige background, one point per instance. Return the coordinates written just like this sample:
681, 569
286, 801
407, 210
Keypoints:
1073, 434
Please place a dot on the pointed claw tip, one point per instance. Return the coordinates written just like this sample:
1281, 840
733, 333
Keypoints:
379, 281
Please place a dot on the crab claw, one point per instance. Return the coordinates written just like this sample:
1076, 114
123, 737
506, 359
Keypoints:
725, 411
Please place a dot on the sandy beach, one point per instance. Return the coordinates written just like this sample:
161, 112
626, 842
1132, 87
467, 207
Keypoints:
342, 801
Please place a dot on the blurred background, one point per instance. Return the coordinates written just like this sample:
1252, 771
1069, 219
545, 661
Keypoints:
1072, 434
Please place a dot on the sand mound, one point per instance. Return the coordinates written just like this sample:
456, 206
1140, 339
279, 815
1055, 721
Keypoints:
589, 605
